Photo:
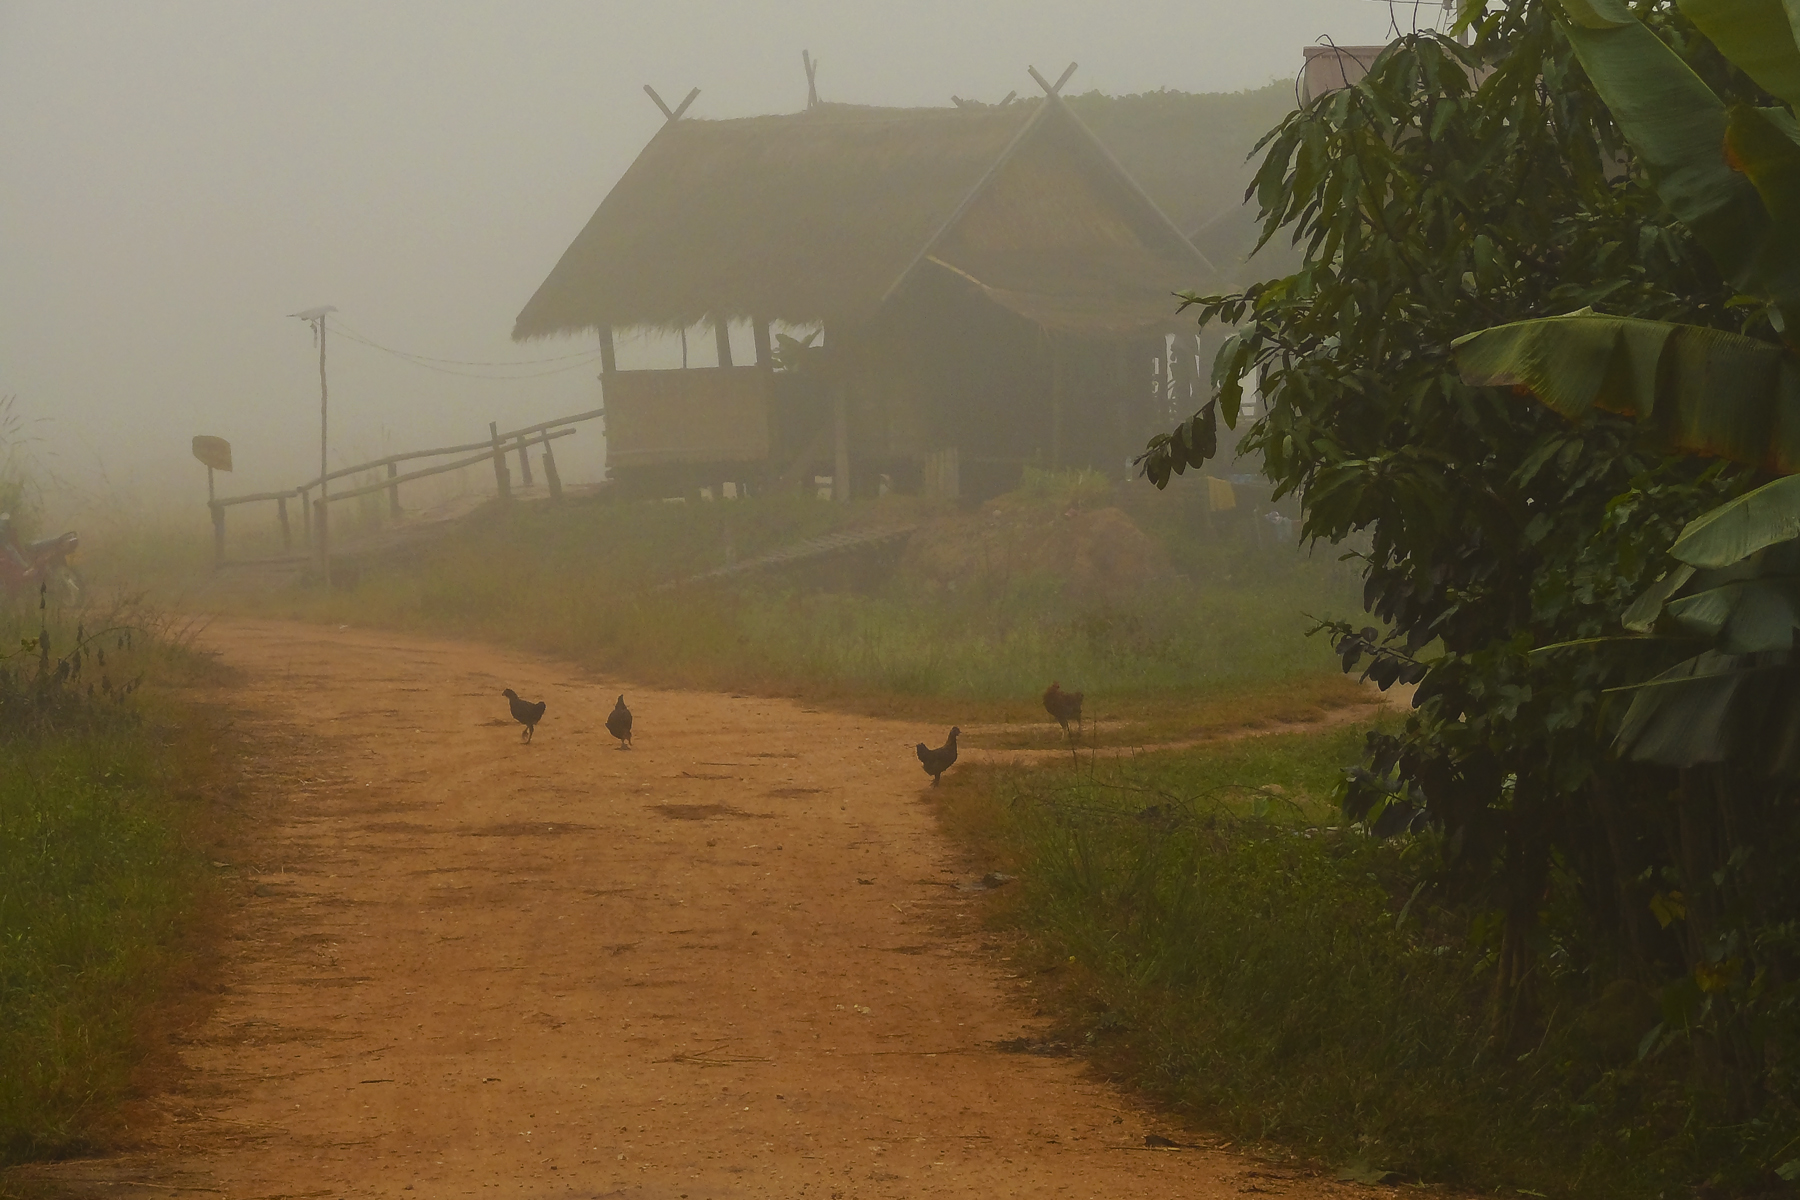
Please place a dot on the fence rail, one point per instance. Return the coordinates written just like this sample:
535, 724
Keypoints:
494, 448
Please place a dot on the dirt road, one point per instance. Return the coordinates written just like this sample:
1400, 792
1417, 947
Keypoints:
729, 962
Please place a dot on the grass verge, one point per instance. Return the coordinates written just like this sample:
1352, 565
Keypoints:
584, 580
103, 890
1205, 928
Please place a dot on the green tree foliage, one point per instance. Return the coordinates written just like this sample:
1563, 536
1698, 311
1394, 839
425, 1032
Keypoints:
1427, 207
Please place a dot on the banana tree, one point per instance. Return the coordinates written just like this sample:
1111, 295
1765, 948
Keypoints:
1732, 175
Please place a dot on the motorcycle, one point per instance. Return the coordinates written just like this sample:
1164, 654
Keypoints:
43, 566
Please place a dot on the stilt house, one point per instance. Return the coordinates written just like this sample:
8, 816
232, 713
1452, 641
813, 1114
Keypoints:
995, 291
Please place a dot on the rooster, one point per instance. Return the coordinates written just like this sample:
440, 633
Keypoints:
525, 713
1064, 706
618, 723
936, 762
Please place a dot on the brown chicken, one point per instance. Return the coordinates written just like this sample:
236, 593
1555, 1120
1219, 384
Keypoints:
1064, 706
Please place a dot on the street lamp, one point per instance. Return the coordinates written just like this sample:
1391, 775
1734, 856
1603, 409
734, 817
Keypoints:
316, 318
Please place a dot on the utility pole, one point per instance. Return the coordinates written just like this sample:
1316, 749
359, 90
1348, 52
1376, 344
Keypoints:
316, 318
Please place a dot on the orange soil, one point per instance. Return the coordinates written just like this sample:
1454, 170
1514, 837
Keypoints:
729, 962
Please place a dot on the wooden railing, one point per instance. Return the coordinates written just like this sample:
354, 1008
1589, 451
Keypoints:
497, 446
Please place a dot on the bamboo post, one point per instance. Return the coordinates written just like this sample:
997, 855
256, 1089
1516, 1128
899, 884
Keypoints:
524, 462
324, 554
500, 478
608, 361
551, 477
393, 492
722, 339
305, 521
287, 532
759, 333
218, 524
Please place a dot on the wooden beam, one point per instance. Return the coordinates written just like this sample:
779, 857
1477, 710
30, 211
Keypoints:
812, 70
255, 496
609, 363
722, 339
552, 476
658, 101
759, 333
1052, 89
683, 106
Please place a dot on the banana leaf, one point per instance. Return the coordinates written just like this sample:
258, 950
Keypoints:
1704, 391
1735, 530
1678, 128
1716, 707
1748, 617
1756, 35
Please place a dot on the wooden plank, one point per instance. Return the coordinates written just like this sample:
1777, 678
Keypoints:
702, 415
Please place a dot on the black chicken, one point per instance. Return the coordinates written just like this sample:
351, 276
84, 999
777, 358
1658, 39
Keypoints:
618, 723
524, 713
936, 762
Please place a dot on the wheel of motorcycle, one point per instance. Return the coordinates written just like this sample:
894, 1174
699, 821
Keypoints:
66, 587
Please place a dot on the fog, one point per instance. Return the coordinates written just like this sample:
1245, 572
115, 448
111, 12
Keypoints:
178, 177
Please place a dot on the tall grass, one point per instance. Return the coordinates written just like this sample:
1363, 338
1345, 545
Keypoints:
99, 877
1209, 931
581, 580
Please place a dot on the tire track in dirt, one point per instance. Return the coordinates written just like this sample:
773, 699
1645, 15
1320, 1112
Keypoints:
727, 963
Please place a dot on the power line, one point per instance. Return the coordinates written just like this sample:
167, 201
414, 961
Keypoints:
448, 366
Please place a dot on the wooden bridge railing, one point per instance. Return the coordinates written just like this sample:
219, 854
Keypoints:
497, 446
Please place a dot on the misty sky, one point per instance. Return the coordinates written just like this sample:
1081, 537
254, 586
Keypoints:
177, 177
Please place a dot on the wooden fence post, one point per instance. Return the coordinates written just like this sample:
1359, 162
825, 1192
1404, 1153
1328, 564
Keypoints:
305, 520
218, 522
500, 479
287, 532
393, 492
551, 476
320, 516
524, 463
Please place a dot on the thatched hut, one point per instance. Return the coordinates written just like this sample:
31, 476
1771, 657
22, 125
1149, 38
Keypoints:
995, 291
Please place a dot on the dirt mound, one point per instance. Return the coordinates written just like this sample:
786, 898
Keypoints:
1096, 554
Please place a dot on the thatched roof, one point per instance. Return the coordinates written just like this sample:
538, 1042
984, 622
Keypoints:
826, 214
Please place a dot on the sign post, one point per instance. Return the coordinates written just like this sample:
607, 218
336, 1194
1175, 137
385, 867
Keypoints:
215, 452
